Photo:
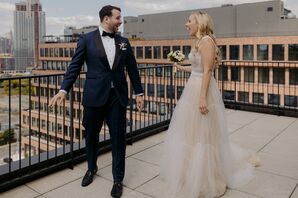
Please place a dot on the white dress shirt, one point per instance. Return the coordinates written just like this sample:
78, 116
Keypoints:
109, 46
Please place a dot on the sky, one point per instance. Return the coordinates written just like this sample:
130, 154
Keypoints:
79, 13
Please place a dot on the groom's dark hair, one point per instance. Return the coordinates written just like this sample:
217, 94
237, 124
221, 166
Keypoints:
107, 11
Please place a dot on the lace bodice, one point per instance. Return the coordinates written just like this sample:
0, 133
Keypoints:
195, 59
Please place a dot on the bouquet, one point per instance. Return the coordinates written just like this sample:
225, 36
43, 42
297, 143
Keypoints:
176, 56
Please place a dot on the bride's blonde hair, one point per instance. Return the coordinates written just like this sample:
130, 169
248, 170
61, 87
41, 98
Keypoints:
205, 27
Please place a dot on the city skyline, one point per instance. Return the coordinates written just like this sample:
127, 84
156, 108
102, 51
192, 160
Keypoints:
60, 14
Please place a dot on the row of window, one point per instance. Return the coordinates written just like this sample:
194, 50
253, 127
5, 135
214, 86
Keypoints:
263, 74
158, 52
52, 127
56, 52
278, 52
258, 98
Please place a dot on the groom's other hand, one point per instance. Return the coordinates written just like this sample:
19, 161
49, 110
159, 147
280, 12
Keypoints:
140, 102
58, 98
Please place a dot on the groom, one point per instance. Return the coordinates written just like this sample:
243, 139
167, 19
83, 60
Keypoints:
105, 91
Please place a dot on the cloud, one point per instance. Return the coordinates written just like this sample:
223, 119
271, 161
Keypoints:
55, 25
7, 7
6, 16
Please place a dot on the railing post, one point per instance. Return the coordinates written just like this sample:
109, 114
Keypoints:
222, 81
171, 88
71, 129
130, 138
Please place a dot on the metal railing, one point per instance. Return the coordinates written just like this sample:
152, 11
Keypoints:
37, 140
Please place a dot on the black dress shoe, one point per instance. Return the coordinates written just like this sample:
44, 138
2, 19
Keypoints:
117, 189
88, 178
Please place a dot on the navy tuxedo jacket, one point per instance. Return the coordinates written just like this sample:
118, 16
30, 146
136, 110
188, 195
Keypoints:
99, 74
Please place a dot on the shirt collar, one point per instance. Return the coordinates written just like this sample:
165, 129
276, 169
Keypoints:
101, 29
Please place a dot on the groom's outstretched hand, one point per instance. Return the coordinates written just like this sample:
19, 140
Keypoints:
57, 99
140, 102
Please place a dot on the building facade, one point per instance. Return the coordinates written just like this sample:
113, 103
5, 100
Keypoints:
257, 67
29, 30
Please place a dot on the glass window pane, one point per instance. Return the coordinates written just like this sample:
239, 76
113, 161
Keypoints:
258, 98
234, 52
140, 52
165, 51
293, 52
293, 76
148, 52
263, 75
278, 52
248, 52
223, 52
243, 96
278, 75
157, 52
262, 52
249, 74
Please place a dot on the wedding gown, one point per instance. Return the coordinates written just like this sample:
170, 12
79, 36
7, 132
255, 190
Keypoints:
198, 159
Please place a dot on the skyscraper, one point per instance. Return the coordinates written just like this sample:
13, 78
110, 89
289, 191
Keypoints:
29, 30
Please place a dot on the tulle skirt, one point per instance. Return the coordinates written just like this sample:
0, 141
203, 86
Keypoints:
198, 158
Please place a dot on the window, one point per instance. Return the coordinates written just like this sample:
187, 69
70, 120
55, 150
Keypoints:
66, 52
262, 52
278, 75
42, 52
248, 52
148, 52
234, 52
269, 9
235, 73
60, 52
72, 51
291, 101
243, 96
278, 52
156, 52
293, 52
165, 51
258, 98
223, 51
170, 91
293, 76
186, 50
223, 73
176, 47
160, 90
273, 99
140, 52
229, 95
179, 91
249, 74
150, 88
263, 75
46, 52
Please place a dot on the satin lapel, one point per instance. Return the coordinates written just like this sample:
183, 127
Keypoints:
117, 52
101, 49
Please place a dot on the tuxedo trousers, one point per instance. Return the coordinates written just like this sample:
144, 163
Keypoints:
115, 116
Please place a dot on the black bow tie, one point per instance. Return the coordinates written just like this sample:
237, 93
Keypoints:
111, 35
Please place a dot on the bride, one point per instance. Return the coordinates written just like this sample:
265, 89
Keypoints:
198, 159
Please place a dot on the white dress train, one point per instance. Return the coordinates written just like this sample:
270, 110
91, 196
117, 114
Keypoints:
198, 158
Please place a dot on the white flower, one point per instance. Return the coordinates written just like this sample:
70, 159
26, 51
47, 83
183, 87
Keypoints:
122, 46
176, 56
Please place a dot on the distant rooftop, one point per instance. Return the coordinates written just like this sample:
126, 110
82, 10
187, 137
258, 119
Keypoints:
268, 18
